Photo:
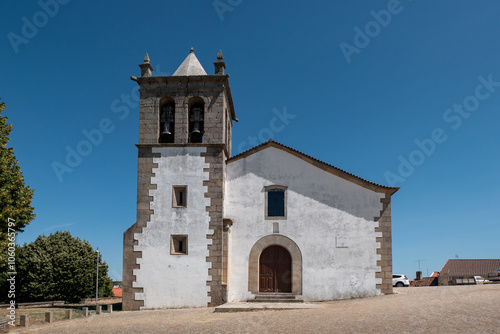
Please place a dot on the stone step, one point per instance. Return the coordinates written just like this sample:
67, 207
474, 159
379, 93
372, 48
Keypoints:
275, 295
275, 301
275, 298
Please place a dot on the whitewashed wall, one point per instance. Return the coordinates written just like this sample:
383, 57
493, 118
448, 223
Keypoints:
175, 280
321, 206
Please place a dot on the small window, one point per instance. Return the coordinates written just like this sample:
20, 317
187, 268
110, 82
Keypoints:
178, 245
179, 196
275, 202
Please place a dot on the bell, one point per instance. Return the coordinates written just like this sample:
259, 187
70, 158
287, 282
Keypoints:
196, 127
166, 130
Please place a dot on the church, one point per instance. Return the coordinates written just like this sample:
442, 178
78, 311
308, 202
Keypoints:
270, 222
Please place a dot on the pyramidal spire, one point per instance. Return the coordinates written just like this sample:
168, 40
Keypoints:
220, 65
190, 66
146, 67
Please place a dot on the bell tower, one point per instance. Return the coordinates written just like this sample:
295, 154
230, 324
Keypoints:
173, 254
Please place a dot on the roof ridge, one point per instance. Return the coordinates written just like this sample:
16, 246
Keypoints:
471, 259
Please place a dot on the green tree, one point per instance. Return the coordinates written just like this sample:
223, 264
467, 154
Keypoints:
15, 197
59, 267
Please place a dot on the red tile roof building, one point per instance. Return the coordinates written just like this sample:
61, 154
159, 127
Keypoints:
117, 292
457, 270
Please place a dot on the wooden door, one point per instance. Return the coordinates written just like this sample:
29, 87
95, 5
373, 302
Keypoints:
275, 270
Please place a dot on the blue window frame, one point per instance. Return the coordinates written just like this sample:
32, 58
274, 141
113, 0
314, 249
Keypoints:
275, 202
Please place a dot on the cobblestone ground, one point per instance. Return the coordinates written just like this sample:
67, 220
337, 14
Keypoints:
459, 309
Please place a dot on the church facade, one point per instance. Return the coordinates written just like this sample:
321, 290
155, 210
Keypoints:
214, 228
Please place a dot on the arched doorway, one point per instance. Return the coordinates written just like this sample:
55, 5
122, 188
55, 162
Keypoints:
275, 270
254, 257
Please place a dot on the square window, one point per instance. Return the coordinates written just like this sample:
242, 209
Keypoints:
179, 196
275, 202
178, 244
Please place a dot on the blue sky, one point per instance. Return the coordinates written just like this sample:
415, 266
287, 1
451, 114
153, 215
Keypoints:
400, 93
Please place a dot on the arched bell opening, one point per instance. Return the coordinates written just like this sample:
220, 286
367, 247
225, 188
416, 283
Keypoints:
167, 120
196, 120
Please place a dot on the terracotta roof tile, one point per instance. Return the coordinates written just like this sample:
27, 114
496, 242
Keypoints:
118, 292
469, 267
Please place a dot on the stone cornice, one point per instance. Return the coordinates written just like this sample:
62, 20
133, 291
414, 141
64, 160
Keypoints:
182, 145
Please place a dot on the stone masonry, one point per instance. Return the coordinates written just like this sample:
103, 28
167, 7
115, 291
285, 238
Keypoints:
130, 257
385, 249
215, 156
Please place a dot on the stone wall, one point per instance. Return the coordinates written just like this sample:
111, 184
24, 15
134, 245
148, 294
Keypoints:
385, 248
215, 157
131, 257
213, 90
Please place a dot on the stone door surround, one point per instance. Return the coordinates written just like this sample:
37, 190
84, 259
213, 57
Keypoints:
275, 240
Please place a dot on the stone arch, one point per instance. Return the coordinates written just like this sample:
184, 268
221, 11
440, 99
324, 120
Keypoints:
196, 119
278, 240
190, 99
166, 123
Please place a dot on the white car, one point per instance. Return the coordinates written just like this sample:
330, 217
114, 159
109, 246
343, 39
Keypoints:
399, 280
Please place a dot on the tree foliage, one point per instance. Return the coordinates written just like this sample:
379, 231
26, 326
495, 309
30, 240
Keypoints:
15, 197
59, 267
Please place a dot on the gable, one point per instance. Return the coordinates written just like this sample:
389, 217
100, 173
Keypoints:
307, 185
316, 163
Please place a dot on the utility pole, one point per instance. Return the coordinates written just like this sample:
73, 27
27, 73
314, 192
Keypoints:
97, 276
